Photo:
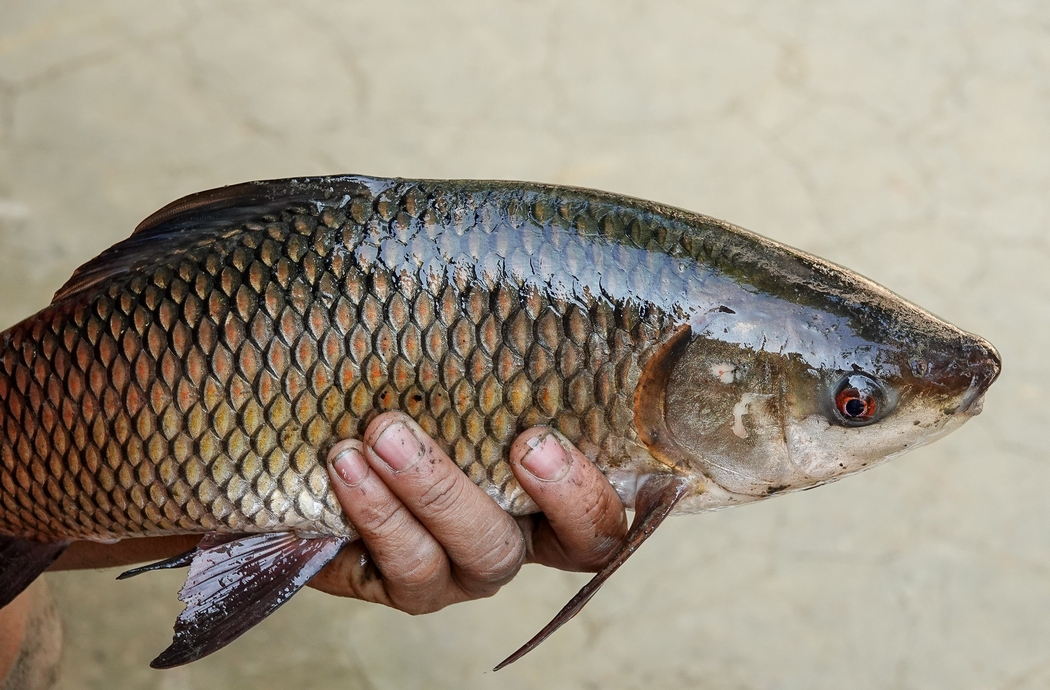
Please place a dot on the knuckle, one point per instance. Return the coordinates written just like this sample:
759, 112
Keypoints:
425, 572
443, 495
484, 575
382, 520
421, 607
422, 587
479, 590
502, 564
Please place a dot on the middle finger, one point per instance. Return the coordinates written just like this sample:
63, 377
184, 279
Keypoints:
415, 572
482, 541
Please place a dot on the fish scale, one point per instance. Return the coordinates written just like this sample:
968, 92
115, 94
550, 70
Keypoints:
200, 392
193, 377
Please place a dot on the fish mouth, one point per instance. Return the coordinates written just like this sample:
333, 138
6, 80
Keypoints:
972, 407
986, 365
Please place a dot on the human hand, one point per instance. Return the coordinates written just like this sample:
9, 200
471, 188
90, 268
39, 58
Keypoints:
430, 537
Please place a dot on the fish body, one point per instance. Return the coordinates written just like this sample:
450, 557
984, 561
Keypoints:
191, 378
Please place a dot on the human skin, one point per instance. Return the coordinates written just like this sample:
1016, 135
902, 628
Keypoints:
30, 640
429, 536
13, 619
437, 539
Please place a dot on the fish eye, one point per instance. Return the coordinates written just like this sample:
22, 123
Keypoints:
859, 400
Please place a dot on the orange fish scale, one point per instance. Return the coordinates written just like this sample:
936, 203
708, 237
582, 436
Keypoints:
199, 389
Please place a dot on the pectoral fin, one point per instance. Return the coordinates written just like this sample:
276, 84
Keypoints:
21, 562
235, 584
654, 502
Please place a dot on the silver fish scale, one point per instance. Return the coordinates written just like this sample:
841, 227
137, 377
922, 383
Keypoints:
200, 390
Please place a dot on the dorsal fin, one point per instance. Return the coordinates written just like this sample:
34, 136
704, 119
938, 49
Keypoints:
190, 217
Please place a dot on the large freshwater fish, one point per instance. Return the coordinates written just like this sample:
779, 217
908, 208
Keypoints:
191, 378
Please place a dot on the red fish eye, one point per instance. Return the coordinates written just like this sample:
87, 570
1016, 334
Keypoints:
859, 399
856, 405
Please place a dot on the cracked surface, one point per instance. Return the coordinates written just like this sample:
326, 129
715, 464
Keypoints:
903, 140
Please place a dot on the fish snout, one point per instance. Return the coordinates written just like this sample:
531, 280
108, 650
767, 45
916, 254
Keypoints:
984, 365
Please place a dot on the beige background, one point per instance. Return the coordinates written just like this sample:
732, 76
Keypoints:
907, 139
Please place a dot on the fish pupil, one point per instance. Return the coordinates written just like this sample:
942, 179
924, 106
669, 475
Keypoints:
855, 407
857, 399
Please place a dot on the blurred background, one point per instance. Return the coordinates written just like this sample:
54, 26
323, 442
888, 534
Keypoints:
907, 139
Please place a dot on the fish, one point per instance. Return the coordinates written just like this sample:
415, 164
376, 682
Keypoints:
191, 379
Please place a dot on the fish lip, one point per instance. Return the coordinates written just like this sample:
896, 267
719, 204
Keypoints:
972, 402
987, 366
991, 365
974, 407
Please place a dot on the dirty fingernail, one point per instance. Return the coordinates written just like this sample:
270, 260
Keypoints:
546, 459
350, 467
398, 447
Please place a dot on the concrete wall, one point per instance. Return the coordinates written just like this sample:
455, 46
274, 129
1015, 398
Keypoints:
907, 139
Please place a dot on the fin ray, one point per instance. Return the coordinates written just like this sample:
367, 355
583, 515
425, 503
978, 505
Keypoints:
654, 503
235, 584
183, 559
180, 561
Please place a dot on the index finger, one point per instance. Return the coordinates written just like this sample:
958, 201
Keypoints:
482, 541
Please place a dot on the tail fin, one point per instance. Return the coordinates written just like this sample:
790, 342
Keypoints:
21, 562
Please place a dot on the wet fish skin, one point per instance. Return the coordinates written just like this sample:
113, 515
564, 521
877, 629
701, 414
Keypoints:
191, 378
198, 390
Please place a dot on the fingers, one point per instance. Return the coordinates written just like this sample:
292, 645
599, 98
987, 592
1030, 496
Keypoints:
430, 536
480, 538
397, 542
583, 521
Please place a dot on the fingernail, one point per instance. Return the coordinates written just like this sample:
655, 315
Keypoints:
398, 447
350, 467
546, 458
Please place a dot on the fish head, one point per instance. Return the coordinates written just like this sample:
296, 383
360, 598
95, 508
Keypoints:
856, 414
778, 391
